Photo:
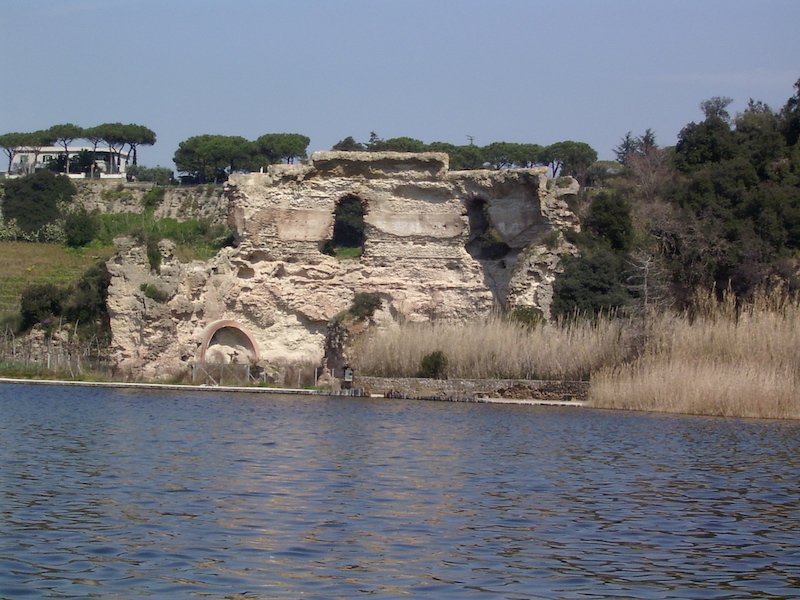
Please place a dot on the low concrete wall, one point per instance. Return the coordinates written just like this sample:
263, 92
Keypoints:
470, 389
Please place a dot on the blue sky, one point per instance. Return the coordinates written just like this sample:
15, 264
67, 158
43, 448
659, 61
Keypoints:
436, 70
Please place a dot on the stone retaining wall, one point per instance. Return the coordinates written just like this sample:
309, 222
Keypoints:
470, 389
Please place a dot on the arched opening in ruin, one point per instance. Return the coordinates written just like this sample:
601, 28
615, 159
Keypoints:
348, 229
485, 242
227, 342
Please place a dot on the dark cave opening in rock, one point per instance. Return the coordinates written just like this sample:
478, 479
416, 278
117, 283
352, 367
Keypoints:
348, 229
485, 242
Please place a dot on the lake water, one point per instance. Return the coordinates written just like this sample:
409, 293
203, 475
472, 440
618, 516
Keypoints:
135, 494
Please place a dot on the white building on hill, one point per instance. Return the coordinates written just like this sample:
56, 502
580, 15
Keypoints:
108, 162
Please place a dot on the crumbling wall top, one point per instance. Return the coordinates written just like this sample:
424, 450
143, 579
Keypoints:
381, 164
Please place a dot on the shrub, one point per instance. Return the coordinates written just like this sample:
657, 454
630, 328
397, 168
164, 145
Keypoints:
33, 201
10, 231
153, 197
158, 175
80, 228
348, 227
342, 253
153, 254
492, 246
609, 218
364, 305
154, 292
529, 316
41, 301
564, 182
51, 233
87, 301
550, 239
433, 365
116, 193
590, 285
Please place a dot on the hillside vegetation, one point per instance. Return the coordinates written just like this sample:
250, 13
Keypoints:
27, 263
54, 249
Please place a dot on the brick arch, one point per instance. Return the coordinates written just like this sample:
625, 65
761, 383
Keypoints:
240, 334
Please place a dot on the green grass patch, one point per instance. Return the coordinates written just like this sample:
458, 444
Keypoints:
348, 253
18, 370
26, 263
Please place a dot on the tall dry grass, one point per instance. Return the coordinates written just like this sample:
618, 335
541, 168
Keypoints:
494, 348
725, 361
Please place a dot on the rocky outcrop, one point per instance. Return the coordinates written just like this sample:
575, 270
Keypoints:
439, 245
181, 203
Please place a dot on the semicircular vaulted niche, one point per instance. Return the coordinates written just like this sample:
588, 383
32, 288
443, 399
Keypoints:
228, 342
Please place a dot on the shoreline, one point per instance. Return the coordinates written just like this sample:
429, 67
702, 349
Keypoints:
353, 393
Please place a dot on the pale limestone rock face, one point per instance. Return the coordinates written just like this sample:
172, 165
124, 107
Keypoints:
179, 203
270, 298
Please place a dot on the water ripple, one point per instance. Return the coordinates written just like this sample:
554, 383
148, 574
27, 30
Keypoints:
134, 494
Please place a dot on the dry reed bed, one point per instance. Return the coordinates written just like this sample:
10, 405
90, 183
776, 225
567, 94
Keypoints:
724, 362
494, 348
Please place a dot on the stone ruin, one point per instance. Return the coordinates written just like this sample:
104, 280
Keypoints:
271, 298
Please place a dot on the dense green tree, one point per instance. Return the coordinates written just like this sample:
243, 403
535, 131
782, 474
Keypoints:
235, 151
717, 107
506, 155
64, 135
759, 137
739, 201
590, 284
570, 158
158, 175
348, 144
212, 157
433, 365
80, 227
138, 135
467, 157
602, 172
609, 219
404, 144
95, 136
283, 147
364, 305
79, 162
700, 143
449, 149
34, 142
33, 201
627, 146
116, 138
790, 117
86, 302
11, 143
82, 161
500, 155
375, 143
526, 156
39, 302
